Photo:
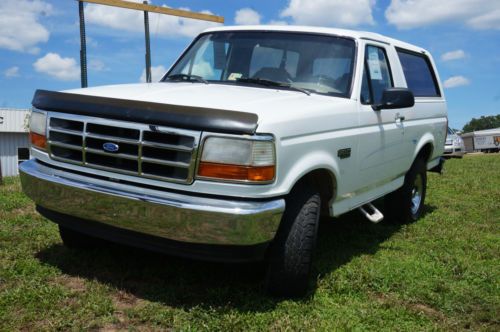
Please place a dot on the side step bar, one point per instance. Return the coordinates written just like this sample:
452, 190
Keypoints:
374, 215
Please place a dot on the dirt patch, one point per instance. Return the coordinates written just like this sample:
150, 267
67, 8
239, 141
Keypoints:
75, 284
426, 310
123, 300
414, 307
125, 327
25, 210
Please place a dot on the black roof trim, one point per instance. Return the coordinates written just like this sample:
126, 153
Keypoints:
186, 117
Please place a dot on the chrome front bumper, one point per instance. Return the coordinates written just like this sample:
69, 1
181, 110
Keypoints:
164, 214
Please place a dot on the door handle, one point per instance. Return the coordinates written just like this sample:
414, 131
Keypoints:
399, 118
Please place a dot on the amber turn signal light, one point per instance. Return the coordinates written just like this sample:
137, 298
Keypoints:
39, 141
236, 172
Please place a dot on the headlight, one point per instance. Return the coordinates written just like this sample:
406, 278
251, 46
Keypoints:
244, 160
38, 129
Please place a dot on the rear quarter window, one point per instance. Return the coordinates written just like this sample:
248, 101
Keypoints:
419, 74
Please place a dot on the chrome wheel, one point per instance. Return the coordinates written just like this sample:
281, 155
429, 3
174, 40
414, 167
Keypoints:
416, 194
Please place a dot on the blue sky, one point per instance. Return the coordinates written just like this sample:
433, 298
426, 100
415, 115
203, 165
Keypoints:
39, 41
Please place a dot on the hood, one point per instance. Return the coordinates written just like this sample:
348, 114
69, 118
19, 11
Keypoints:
219, 96
252, 99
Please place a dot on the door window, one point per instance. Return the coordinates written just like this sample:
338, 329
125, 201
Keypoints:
376, 75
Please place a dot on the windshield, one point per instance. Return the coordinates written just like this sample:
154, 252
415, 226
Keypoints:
316, 63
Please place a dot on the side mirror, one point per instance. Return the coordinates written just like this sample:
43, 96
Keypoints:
395, 98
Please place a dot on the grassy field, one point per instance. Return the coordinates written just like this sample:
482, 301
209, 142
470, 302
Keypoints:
442, 272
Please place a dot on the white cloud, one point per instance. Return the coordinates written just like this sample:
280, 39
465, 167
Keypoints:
157, 73
489, 20
453, 55
96, 65
330, 12
52, 64
477, 14
247, 16
12, 72
19, 26
456, 81
133, 21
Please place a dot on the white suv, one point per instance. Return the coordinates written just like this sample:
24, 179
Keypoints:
250, 136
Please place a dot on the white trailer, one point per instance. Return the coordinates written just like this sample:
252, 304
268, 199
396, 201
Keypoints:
483, 140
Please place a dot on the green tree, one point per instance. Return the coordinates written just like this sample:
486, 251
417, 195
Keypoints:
484, 122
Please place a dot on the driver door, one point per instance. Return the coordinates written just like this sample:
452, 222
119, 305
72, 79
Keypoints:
381, 156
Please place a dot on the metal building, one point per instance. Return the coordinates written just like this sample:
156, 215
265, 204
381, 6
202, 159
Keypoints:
14, 140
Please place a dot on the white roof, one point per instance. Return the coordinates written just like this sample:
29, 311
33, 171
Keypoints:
13, 120
486, 132
330, 31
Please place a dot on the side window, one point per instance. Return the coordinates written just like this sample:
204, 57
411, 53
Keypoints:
376, 75
419, 75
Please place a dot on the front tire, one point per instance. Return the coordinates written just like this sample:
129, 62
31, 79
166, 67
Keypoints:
406, 204
292, 250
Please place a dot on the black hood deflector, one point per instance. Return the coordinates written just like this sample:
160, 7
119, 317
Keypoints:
187, 117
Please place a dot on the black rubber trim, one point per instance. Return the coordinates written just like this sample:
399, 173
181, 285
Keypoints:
187, 117
214, 253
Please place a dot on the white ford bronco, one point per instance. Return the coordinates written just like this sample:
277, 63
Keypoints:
250, 136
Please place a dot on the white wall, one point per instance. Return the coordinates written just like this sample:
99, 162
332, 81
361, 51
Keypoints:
9, 142
14, 120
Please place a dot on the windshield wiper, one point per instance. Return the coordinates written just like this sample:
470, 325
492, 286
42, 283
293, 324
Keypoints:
265, 82
187, 78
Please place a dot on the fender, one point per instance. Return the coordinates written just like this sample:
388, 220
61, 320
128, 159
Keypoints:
425, 139
311, 162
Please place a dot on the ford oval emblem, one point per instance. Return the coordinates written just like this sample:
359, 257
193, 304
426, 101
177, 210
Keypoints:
111, 147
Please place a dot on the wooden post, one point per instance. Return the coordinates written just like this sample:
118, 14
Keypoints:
158, 9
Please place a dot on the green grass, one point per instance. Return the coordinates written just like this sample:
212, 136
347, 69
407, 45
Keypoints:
441, 272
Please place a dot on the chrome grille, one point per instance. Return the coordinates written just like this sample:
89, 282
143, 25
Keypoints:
149, 151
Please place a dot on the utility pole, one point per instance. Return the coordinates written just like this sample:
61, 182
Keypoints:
148, 45
83, 47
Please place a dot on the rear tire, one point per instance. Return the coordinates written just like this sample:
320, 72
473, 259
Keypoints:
291, 252
76, 240
406, 204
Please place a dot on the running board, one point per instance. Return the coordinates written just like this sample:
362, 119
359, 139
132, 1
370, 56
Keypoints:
375, 216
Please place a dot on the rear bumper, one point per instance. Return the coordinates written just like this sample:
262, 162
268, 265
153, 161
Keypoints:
162, 214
